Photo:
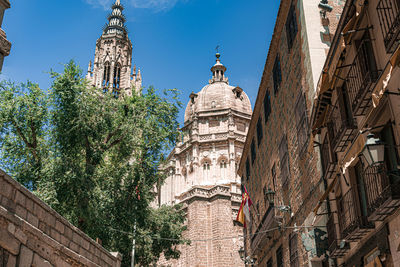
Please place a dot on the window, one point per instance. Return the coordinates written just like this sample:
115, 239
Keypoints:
273, 173
277, 74
291, 26
267, 106
391, 155
117, 76
294, 256
284, 160
301, 122
259, 131
222, 164
247, 169
253, 152
206, 166
279, 257
367, 63
106, 74
269, 263
388, 14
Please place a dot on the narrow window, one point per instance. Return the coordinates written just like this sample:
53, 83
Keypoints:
267, 106
117, 76
301, 122
223, 164
284, 160
294, 256
253, 152
279, 257
206, 166
269, 263
259, 131
277, 74
273, 174
106, 74
247, 169
291, 27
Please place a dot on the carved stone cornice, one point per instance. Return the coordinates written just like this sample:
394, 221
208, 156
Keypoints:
206, 193
5, 45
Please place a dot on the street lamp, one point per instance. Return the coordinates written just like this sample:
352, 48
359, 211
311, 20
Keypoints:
270, 194
325, 7
247, 260
374, 150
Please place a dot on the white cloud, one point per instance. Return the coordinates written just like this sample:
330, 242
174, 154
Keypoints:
157, 5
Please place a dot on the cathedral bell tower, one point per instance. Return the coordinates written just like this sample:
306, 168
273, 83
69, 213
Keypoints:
112, 66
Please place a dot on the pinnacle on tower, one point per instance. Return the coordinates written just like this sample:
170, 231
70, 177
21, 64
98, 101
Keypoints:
116, 20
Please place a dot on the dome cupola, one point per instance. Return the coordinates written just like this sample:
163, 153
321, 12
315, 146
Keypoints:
217, 96
218, 71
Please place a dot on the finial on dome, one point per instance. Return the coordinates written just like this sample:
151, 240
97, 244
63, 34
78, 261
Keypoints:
117, 2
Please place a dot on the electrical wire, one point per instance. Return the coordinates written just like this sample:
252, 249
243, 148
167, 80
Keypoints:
222, 238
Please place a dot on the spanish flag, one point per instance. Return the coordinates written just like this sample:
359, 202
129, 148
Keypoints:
244, 210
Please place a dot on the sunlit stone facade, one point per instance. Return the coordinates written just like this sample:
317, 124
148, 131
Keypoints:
202, 172
112, 65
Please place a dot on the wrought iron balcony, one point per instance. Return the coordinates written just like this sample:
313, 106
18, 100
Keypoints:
353, 226
341, 128
389, 19
383, 192
362, 75
336, 247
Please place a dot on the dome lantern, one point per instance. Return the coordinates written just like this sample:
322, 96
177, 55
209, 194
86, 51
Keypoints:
218, 71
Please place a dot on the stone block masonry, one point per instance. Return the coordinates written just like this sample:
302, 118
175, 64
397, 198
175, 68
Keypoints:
33, 234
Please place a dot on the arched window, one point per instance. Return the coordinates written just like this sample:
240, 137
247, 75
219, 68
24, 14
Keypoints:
206, 165
106, 75
222, 164
117, 76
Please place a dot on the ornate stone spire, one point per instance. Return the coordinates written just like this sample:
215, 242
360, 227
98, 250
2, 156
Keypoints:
116, 20
218, 71
112, 65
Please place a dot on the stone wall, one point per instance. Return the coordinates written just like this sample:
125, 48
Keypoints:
215, 239
33, 234
5, 45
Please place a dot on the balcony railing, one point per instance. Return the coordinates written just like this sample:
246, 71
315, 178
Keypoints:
362, 74
353, 226
336, 247
389, 19
341, 128
383, 192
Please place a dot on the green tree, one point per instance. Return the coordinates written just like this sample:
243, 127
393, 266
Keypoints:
95, 158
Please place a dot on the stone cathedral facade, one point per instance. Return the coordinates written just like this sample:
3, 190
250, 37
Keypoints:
202, 173
112, 65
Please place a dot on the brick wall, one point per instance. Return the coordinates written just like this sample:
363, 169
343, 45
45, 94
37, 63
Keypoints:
301, 65
33, 234
210, 227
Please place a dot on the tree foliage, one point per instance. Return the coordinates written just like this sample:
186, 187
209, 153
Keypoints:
94, 158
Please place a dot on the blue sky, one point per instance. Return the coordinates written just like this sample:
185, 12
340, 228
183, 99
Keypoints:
174, 40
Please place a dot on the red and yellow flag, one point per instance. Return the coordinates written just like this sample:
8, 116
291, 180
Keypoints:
244, 210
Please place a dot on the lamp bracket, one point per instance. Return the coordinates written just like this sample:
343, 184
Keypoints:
357, 30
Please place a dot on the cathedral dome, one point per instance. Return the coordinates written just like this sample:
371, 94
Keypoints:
218, 95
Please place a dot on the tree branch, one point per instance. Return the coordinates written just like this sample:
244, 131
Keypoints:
25, 140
